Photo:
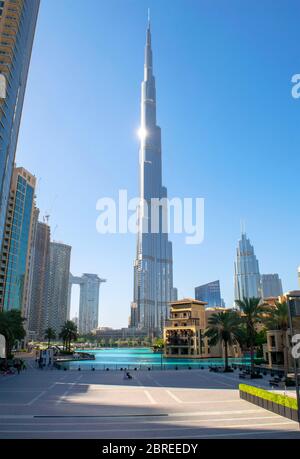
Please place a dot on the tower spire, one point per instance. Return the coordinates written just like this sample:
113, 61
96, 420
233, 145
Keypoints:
243, 226
148, 52
149, 29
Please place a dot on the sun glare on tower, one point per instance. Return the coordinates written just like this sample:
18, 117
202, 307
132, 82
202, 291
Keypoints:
142, 133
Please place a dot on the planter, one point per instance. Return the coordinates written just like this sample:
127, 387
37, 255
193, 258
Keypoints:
276, 403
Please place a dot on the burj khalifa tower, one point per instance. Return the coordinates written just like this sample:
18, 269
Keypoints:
153, 266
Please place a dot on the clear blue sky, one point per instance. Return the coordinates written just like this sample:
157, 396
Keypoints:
230, 131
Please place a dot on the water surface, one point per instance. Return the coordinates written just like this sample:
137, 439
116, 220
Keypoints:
142, 358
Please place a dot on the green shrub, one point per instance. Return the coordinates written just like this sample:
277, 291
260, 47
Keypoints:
284, 400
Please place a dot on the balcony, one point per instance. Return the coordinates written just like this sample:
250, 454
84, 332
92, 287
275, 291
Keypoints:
10, 38
14, 12
178, 342
180, 323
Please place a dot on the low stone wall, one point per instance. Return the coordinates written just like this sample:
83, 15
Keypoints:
277, 403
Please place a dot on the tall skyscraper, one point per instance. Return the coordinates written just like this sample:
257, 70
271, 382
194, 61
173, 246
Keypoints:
17, 27
17, 242
246, 271
34, 223
88, 302
271, 285
39, 288
58, 285
153, 266
210, 293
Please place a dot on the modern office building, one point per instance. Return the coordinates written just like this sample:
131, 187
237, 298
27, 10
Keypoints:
153, 266
88, 302
174, 294
37, 322
134, 316
209, 293
246, 271
17, 243
58, 285
17, 27
271, 285
34, 223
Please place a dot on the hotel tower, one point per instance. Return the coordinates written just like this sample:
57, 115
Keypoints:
247, 282
153, 266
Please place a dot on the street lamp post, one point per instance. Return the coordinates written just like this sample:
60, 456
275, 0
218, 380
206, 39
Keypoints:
291, 301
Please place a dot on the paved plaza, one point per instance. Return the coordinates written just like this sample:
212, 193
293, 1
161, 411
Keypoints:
157, 405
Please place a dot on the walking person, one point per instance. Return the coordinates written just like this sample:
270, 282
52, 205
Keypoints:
37, 356
18, 366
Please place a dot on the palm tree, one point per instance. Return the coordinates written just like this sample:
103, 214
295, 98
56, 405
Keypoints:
242, 337
49, 335
279, 320
111, 342
158, 344
11, 327
68, 334
260, 340
223, 328
253, 312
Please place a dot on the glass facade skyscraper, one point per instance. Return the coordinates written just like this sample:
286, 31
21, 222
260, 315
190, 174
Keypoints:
210, 293
89, 300
15, 255
271, 285
153, 266
89, 303
40, 276
58, 285
17, 27
246, 271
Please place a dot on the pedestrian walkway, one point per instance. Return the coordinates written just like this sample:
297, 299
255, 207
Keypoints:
184, 404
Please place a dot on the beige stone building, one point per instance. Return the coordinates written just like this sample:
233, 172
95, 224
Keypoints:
278, 346
184, 331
